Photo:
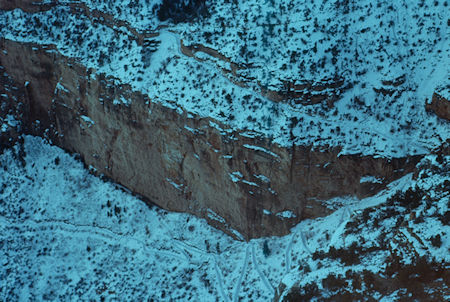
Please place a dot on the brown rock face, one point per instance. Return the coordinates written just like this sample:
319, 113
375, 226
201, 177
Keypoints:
31, 6
12, 111
440, 106
183, 162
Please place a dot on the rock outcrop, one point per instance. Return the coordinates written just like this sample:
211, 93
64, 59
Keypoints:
184, 162
326, 91
27, 5
440, 106
12, 111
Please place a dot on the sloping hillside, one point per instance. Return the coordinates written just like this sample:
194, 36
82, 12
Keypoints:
325, 123
68, 235
329, 73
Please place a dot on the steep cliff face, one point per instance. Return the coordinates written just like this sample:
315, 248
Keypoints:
254, 132
183, 162
13, 110
255, 115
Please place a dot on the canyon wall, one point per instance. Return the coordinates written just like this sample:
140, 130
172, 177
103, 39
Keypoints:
184, 162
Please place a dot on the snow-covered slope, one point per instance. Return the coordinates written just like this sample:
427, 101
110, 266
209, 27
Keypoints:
390, 247
353, 74
65, 235
390, 58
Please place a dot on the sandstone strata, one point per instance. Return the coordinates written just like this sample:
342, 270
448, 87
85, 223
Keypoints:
180, 161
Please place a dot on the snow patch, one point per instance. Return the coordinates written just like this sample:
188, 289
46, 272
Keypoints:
286, 214
370, 179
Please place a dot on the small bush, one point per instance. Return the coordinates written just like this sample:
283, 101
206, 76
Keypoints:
366, 214
436, 241
410, 199
334, 283
181, 10
305, 293
445, 219
266, 249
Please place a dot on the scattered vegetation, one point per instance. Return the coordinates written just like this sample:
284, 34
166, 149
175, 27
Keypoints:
181, 10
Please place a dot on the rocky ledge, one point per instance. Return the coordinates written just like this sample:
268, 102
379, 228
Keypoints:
440, 106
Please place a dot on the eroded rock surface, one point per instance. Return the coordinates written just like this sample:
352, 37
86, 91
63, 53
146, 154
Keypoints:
440, 106
27, 5
183, 162
13, 110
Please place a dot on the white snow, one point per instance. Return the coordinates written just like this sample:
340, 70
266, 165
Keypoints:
373, 44
121, 101
236, 176
267, 212
59, 86
214, 216
250, 183
263, 178
192, 130
66, 235
88, 120
174, 184
8, 122
371, 179
286, 214
85, 238
258, 148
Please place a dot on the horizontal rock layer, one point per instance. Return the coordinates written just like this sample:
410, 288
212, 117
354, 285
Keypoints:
183, 162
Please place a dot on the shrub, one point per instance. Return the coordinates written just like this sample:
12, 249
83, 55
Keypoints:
266, 250
181, 10
445, 219
334, 283
410, 199
436, 241
366, 214
305, 293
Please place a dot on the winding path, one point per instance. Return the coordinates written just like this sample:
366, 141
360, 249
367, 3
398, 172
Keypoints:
237, 287
263, 277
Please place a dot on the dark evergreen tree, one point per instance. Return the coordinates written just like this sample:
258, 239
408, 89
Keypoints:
266, 249
181, 10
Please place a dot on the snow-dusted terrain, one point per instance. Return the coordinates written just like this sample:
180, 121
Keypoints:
67, 235
391, 57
